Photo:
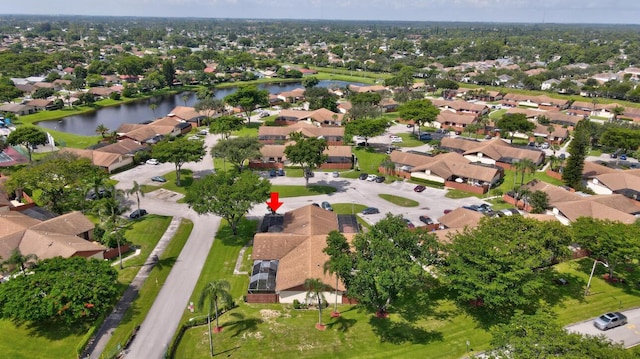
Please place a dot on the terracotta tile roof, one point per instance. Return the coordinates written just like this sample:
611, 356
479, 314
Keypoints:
40, 102
459, 105
319, 115
541, 217
592, 169
338, 151
128, 127
457, 118
619, 202
372, 88
267, 246
167, 121
451, 164
48, 245
72, 223
556, 194
460, 218
498, 149
122, 147
141, 134
589, 208
186, 113
305, 261
310, 220
272, 151
558, 131
12, 222
563, 117
620, 180
98, 158
305, 128
530, 113
409, 159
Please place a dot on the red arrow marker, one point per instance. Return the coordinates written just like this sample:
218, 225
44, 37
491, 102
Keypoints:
274, 204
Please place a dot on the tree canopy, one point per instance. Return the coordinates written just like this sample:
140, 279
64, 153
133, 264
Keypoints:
515, 122
67, 290
178, 151
228, 194
224, 125
384, 263
307, 152
28, 136
366, 128
237, 150
420, 111
248, 98
578, 149
320, 97
498, 262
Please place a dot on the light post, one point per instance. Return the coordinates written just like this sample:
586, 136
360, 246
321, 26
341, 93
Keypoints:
586, 291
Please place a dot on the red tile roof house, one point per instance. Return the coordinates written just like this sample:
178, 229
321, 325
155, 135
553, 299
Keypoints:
292, 96
626, 183
455, 121
67, 236
460, 106
322, 117
494, 152
279, 134
284, 260
188, 114
273, 156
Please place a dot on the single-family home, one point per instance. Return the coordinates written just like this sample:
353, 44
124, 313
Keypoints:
289, 250
494, 152
278, 134
321, 116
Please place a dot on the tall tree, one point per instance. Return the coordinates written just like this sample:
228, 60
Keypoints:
539, 201
320, 97
307, 152
314, 288
612, 242
19, 260
169, 72
237, 150
248, 98
209, 107
525, 165
488, 264
214, 293
419, 111
366, 128
67, 290
136, 190
515, 122
178, 151
578, 149
339, 260
27, 136
383, 263
228, 194
224, 125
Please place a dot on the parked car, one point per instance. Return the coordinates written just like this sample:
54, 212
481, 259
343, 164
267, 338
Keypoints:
158, 179
610, 320
193, 138
508, 212
409, 224
396, 139
326, 205
623, 157
544, 145
371, 178
137, 213
363, 176
419, 188
336, 174
426, 220
379, 179
308, 174
425, 136
93, 195
562, 156
370, 210
152, 161
272, 173
315, 204
280, 172
203, 132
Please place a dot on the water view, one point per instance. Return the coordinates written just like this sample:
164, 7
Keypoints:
141, 111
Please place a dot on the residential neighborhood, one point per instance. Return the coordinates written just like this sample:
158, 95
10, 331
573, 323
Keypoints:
373, 191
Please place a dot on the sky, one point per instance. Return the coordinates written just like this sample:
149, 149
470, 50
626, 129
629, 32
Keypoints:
519, 11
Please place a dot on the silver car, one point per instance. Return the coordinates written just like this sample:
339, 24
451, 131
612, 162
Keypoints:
610, 320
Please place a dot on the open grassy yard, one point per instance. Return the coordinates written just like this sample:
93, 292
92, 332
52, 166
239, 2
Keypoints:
368, 159
399, 201
428, 325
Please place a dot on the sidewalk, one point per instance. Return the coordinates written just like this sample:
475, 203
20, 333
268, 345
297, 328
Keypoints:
95, 347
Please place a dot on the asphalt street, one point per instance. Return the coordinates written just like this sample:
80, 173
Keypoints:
628, 335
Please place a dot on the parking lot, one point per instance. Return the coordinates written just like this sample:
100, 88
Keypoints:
628, 335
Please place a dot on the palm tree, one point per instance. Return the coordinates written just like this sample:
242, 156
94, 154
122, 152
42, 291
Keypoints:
102, 130
108, 210
315, 287
17, 259
184, 99
525, 165
211, 294
329, 267
137, 191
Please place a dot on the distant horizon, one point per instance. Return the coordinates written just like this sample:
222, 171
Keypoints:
560, 12
322, 20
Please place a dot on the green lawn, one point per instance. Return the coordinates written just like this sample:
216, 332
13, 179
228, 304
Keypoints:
457, 194
299, 191
250, 130
186, 179
149, 291
399, 201
508, 184
410, 140
496, 115
368, 159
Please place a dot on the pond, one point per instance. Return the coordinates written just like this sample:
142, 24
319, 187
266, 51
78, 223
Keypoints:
141, 111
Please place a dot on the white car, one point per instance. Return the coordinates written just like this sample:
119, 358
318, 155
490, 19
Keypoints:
152, 161
396, 139
371, 178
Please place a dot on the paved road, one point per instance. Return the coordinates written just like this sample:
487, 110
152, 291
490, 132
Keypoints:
628, 335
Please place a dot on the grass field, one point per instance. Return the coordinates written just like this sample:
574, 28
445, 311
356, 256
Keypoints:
399, 201
299, 191
428, 325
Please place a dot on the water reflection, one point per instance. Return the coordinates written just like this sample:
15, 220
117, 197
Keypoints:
142, 111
